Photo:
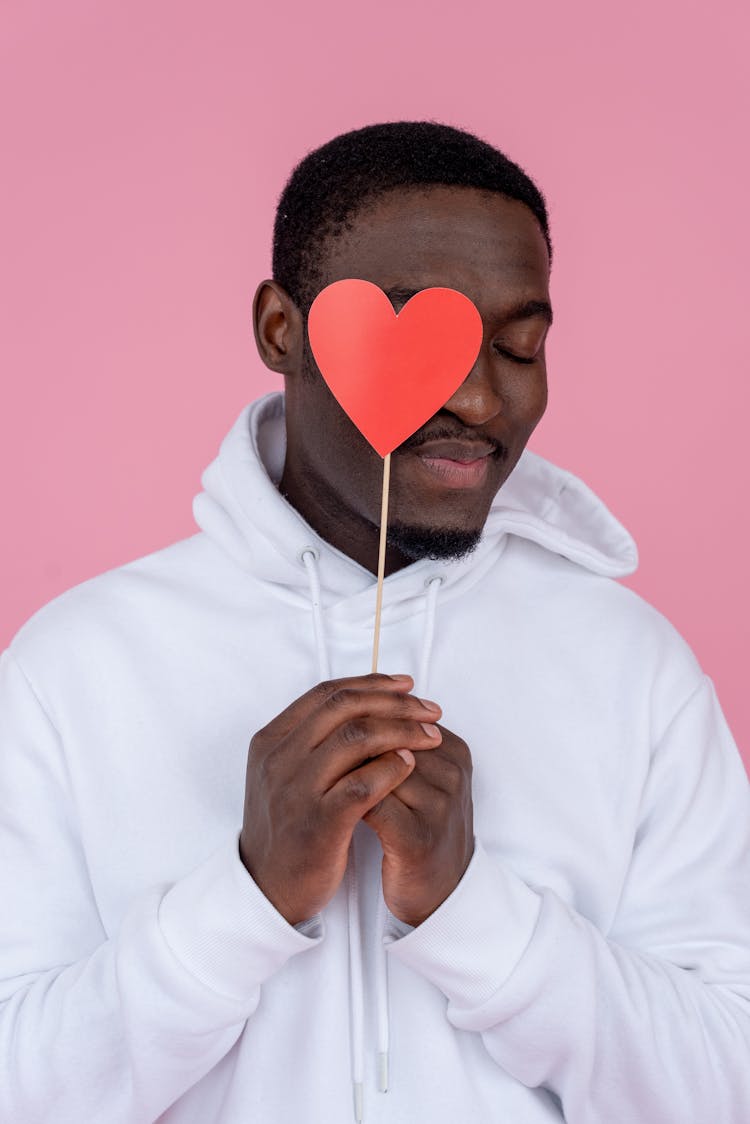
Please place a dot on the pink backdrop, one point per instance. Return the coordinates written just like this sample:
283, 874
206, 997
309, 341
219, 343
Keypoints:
144, 145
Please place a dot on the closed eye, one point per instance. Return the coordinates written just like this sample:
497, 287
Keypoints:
513, 357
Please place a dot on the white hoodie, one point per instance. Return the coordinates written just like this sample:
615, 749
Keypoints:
593, 965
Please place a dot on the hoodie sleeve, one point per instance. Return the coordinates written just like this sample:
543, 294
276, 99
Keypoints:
651, 1020
111, 1029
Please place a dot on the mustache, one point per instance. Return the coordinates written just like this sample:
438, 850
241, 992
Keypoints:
446, 432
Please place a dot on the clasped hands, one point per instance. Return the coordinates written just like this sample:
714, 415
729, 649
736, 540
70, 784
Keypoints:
362, 748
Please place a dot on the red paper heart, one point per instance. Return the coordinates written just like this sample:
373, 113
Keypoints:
389, 372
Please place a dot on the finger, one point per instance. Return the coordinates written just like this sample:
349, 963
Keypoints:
351, 706
436, 782
391, 813
355, 742
318, 695
359, 791
451, 766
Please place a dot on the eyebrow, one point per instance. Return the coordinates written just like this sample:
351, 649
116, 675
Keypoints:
531, 308
524, 311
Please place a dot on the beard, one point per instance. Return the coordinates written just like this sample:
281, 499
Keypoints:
446, 543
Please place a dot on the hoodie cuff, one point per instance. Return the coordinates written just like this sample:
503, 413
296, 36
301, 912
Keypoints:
472, 942
225, 931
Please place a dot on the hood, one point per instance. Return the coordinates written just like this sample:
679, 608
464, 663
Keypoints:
243, 513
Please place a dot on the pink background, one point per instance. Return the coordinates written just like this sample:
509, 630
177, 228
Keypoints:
144, 145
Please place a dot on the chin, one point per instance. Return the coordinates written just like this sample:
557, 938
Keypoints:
446, 543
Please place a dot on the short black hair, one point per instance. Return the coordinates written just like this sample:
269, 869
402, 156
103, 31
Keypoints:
334, 181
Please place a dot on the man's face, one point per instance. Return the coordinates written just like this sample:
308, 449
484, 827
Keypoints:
444, 478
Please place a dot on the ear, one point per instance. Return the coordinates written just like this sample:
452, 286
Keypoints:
279, 328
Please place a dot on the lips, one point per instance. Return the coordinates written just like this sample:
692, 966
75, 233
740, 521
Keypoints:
454, 450
455, 464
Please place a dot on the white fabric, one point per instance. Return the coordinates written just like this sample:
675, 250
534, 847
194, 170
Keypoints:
593, 964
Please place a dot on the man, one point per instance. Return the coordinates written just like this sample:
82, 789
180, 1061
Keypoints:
526, 901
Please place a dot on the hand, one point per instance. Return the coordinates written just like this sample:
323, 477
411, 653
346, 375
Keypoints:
425, 826
314, 771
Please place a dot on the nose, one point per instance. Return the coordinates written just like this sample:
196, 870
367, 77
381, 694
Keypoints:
478, 398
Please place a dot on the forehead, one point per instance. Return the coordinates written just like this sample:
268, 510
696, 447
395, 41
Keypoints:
479, 242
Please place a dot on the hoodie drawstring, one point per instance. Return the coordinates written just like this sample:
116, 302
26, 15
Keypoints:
381, 998
356, 987
310, 559
381, 960
356, 972
433, 588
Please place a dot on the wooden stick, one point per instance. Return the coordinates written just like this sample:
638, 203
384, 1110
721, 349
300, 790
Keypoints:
381, 558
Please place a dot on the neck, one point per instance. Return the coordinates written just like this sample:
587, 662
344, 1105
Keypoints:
348, 532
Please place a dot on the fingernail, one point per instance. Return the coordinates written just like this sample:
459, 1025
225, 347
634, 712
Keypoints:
430, 730
430, 705
406, 755
401, 678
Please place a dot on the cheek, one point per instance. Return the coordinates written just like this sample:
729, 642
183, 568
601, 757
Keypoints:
540, 397
528, 399
353, 468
